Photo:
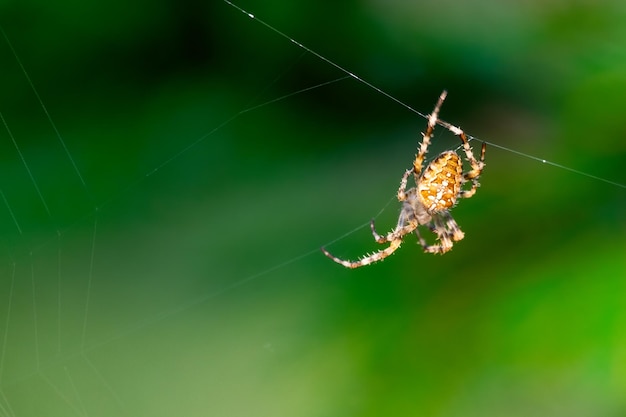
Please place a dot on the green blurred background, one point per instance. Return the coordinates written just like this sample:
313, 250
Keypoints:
183, 277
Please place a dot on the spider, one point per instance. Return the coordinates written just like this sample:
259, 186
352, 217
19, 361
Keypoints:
436, 191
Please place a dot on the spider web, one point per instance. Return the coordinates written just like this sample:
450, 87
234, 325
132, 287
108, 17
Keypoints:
145, 195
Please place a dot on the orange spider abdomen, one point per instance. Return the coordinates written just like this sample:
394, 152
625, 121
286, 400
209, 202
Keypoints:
440, 182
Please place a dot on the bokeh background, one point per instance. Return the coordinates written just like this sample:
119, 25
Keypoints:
162, 258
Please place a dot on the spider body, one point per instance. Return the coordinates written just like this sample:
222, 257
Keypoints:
437, 189
441, 182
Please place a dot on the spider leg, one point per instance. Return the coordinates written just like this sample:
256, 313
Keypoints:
379, 238
432, 122
402, 190
421, 240
447, 231
477, 165
398, 233
452, 226
469, 193
445, 243
473, 175
374, 257
394, 238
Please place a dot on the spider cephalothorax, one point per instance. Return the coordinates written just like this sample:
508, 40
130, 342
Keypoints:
437, 189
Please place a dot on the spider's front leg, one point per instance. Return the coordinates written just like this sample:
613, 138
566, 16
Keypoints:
433, 119
403, 183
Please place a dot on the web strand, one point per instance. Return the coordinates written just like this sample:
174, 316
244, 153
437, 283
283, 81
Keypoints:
35, 321
28, 170
6, 324
89, 280
6, 203
396, 100
45, 110
60, 394
104, 382
8, 411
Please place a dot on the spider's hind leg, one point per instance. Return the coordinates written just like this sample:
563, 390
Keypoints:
474, 173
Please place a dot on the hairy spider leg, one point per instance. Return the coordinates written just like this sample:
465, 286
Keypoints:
432, 122
477, 166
